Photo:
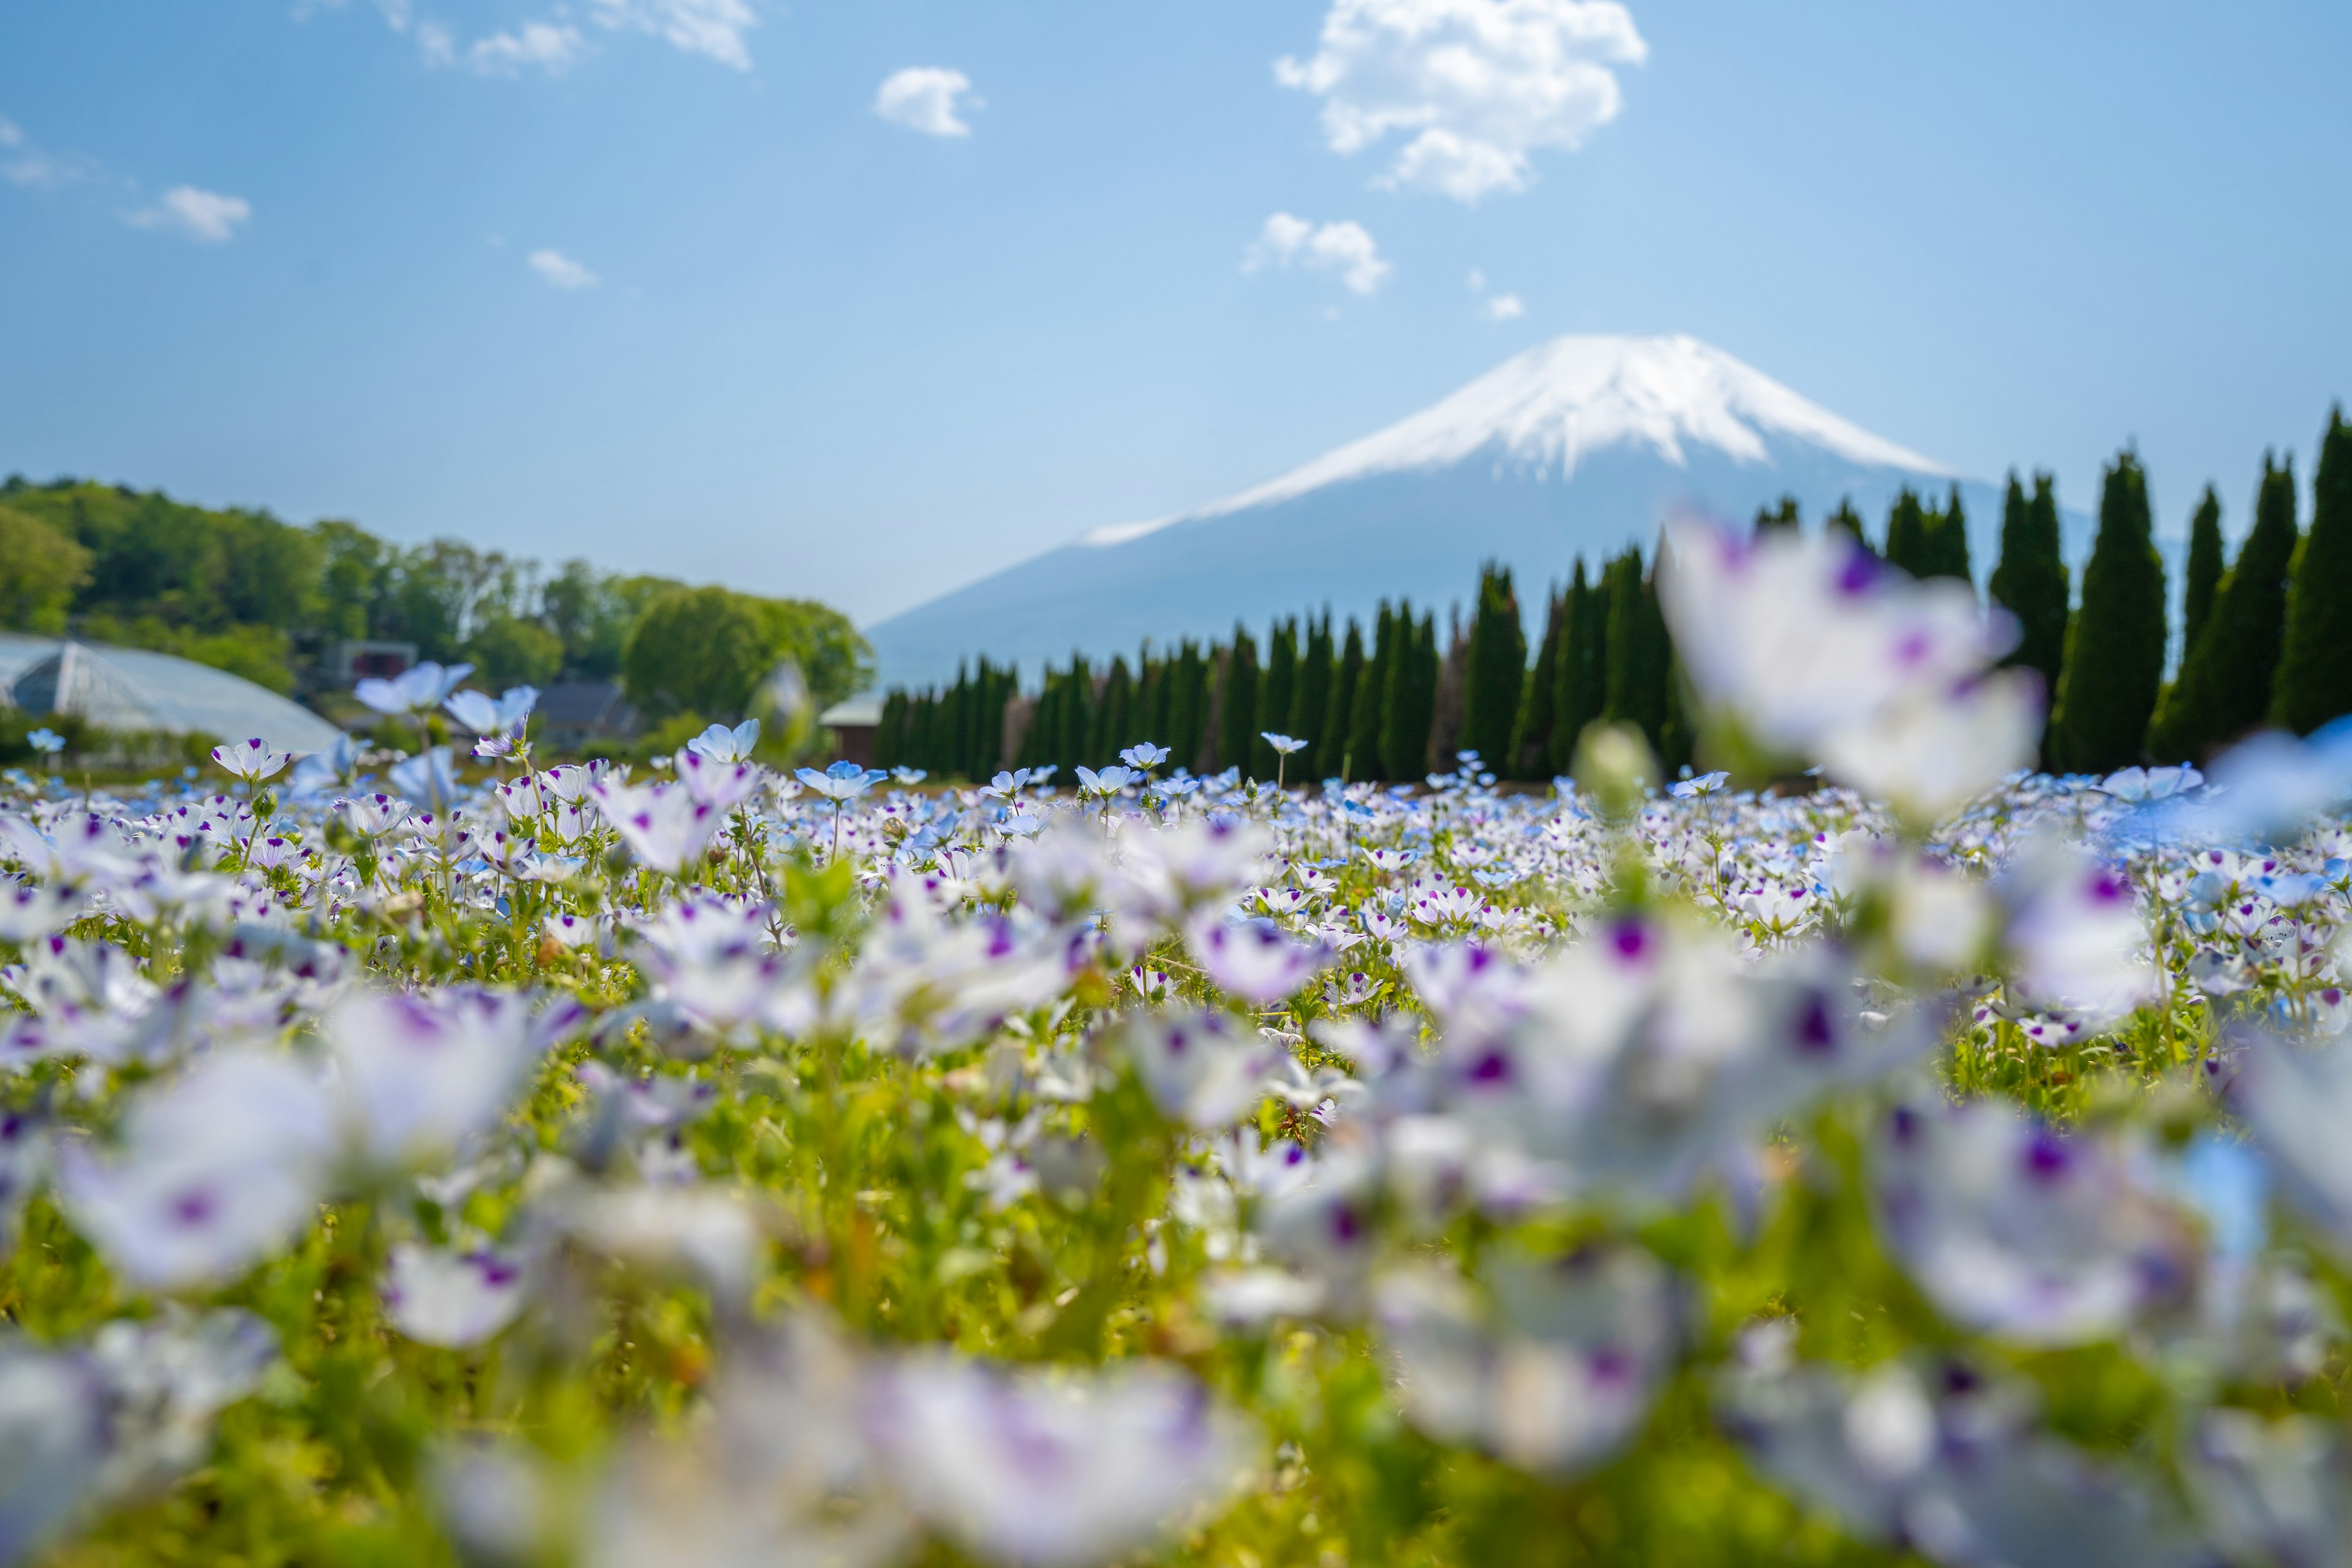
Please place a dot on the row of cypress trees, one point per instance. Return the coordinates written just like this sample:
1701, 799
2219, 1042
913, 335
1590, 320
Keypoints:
2266, 638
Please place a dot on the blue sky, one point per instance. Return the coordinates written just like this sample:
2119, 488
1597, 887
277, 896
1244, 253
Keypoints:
658, 282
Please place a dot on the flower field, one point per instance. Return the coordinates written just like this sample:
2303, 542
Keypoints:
1872, 1149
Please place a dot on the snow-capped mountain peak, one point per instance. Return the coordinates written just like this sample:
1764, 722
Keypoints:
1549, 408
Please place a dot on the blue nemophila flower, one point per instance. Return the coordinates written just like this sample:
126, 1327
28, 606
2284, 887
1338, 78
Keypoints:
842, 781
321, 771
909, 777
484, 717
46, 740
721, 744
1704, 784
1005, 784
251, 760
1144, 756
418, 689
429, 776
1283, 746
1106, 783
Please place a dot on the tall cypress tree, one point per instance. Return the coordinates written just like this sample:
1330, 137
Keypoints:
1237, 739
2224, 689
1848, 522
1498, 664
2031, 583
1368, 720
2204, 578
1782, 517
1310, 699
2115, 650
1412, 698
2315, 674
1188, 706
1531, 731
1906, 535
1581, 680
1638, 650
1114, 721
1273, 690
1339, 714
1949, 538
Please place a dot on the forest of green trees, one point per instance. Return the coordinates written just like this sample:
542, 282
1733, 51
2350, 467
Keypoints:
267, 599
2266, 639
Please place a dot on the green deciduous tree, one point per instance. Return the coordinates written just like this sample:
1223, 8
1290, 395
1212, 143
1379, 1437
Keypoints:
2116, 647
2315, 674
41, 569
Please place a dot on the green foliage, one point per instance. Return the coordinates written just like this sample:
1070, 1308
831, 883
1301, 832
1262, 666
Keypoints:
509, 650
1848, 522
1275, 690
1639, 652
1412, 705
2203, 578
710, 648
1782, 517
2114, 649
1497, 670
2031, 582
1906, 535
1237, 703
1332, 749
259, 654
2224, 686
1368, 711
1310, 701
2315, 674
1530, 754
1580, 674
41, 569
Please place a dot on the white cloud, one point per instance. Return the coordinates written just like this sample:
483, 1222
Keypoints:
561, 270
547, 47
26, 164
1288, 240
1495, 306
923, 97
10, 136
710, 27
202, 215
1478, 86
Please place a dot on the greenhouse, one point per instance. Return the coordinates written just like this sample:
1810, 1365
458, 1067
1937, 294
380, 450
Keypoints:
133, 690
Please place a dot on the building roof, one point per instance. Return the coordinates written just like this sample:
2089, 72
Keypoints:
853, 711
133, 689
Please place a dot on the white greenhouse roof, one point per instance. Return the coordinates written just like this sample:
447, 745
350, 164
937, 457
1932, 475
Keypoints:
131, 689
853, 711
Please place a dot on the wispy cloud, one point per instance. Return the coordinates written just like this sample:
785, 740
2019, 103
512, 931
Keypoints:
547, 46
1478, 86
923, 97
22, 163
715, 30
561, 270
1346, 248
199, 214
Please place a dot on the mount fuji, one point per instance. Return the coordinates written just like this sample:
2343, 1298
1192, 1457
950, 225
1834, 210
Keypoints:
1581, 445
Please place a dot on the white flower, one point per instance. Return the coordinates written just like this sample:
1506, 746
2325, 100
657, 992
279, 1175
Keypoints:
451, 1299
251, 760
218, 1170
415, 1078
663, 824
1054, 1467
720, 745
418, 689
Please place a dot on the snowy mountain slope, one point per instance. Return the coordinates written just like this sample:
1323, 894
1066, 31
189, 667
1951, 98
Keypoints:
1582, 445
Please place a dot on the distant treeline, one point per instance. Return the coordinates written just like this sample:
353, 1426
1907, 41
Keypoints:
266, 599
2267, 639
